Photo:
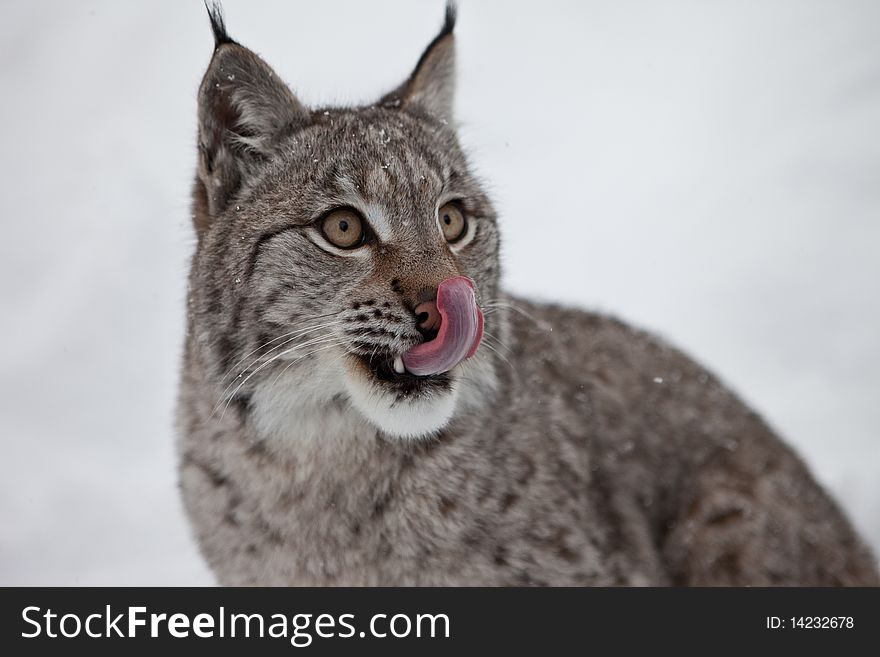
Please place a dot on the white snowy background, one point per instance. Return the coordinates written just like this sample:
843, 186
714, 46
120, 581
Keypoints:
708, 170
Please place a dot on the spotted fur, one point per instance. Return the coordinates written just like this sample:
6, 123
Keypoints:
570, 450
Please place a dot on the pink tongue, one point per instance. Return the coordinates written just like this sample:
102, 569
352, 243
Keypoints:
461, 329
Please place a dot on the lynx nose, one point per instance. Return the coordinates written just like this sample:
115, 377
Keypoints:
427, 316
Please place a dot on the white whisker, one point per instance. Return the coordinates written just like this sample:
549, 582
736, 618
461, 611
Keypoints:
500, 355
307, 343
293, 334
337, 343
497, 340
493, 306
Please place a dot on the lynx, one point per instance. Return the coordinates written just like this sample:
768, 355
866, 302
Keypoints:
361, 404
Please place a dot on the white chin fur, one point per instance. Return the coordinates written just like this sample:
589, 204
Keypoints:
412, 418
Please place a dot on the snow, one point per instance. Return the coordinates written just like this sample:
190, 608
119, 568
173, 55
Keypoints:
705, 170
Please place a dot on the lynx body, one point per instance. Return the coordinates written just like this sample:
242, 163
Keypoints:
567, 449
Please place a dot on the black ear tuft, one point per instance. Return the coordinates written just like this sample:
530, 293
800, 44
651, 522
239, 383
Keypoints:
431, 86
445, 31
451, 15
218, 25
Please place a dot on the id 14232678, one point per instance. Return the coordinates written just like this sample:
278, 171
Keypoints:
810, 623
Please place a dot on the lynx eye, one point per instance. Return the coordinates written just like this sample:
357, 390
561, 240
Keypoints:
452, 222
343, 228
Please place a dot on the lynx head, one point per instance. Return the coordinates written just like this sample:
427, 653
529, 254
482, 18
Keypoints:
343, 252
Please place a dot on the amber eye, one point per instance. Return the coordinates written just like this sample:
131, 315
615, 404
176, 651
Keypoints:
343, 228
452, 222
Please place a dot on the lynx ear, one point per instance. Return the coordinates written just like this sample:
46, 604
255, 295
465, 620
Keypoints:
244, 108
431, 86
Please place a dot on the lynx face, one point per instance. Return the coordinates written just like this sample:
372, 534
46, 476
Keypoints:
324, 238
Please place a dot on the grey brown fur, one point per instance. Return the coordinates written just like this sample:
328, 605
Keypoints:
570, 450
